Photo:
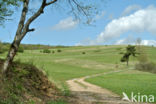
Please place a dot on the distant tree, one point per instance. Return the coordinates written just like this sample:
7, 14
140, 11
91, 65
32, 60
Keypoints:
138, 45
78, 8
138, 41
46, 51
130, 50
83, 52
59, 50
142, 58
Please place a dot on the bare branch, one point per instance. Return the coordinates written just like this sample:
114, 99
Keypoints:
80, 8
31, 30
32, 18
37, 14
51, 2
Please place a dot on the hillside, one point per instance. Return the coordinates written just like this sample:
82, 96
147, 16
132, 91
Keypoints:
26, 84
77, 62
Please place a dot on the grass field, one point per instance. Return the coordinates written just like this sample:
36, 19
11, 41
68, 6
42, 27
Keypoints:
128, 82
71, 63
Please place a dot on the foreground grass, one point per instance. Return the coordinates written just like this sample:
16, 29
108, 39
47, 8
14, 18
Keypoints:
128, 82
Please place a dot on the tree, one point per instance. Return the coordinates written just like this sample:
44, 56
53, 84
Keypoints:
142, 58
138, 41
138, 45
77, 8
5, 10
130, 50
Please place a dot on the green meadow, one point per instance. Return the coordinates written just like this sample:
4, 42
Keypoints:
75, 62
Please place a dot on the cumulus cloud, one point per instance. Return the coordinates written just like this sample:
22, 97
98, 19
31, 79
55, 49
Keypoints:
140, 21
130, 8
65, 24
149, 42
128, 40
132, 42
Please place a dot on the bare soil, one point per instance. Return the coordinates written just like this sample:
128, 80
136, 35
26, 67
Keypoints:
87, 93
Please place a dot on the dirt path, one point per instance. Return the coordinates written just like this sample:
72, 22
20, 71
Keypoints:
91, 94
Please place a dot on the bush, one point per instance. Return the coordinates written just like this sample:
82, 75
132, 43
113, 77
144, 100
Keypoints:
53, 51
147, 66
46, 51
83, 52
59, 50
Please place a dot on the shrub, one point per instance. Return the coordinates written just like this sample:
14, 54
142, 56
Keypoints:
53, 51
83, 52
59, 50
46, 51
147, 66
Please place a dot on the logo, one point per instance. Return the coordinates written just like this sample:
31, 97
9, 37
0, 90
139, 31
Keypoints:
138, 98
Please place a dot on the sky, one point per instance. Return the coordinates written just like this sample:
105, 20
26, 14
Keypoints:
118, 22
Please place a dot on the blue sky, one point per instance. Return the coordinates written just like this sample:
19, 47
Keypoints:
118, 22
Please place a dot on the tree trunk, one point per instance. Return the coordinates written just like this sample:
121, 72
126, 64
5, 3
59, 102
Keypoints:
12, 52
127, 62
23, 28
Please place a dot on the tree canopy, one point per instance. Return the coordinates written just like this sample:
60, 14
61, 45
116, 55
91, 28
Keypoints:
130, 50
6, 9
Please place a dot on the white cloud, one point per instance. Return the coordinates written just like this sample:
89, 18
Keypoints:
140, 21
149, 42
128, 40
130, 8
143, 42
65, 24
